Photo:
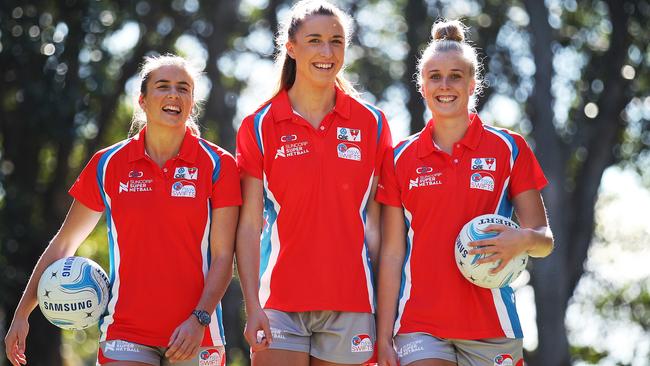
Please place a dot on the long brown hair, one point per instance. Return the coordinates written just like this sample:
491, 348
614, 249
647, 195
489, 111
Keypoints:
288, 28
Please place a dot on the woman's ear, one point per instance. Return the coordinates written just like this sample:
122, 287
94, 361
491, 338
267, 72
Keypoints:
141, 102
290, 51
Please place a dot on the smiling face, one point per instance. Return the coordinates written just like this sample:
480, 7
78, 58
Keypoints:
447, 84
169, 96
318, 48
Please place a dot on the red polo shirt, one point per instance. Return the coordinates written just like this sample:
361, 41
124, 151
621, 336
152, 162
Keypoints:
440, 193
317, 183
158, 233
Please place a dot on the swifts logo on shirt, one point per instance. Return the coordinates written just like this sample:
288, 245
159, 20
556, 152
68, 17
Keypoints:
183, 172
489, 164
483, 181
361, 343
291, 147
426, 178
348, 134
183, 188
136, 183
346, 150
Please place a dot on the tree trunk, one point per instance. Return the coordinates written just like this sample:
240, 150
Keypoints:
570, 199
418, 33
220, 107
549, 276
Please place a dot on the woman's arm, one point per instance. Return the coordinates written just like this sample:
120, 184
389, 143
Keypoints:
392, 253
248, 261
186, 338
78, 224
373, 228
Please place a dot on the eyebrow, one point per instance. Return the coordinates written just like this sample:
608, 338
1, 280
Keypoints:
167, 81
438, 70
320, 35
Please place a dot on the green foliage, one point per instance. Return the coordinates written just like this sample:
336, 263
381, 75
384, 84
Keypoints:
588, 354
631, 302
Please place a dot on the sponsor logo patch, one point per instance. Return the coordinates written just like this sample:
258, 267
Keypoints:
482, 181
183, 189
348, 134
136, 185
210, 357
292, 148
278, 333
361, 343
288, 138
346, 150
409, 348
135, 174
120, 346
427, 178
504, 359
280, 153
183, 172
489, 164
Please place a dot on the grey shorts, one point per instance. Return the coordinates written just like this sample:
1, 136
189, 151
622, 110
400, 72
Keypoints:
119, 350
413, 347
333, 336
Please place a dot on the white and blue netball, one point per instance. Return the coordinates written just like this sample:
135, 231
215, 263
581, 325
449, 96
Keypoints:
479, 274
73, 293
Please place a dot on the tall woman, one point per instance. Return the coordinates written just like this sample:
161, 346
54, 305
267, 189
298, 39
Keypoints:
435, 181
309, 159
171, 202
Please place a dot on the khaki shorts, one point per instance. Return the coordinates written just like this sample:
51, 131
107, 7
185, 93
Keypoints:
333, 336
413, 347
119, 350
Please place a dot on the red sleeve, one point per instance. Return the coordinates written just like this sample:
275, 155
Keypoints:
385, 143
86, 188
226, 190
249, 154
526, 173
388, 190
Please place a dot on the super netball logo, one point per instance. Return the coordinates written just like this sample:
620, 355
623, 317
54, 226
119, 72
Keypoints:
426, 178
291, 148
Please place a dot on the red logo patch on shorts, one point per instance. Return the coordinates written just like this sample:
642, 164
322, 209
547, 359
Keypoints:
504, 359
211, 357
361, 343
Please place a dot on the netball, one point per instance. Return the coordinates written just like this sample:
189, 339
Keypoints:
73, 293
479, 274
